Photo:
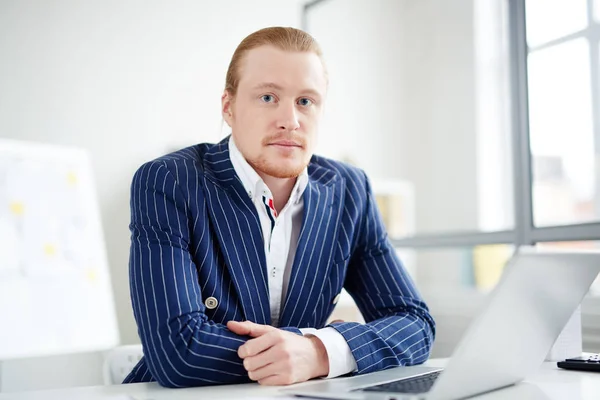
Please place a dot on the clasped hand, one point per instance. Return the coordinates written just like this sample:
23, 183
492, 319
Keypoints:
278, 357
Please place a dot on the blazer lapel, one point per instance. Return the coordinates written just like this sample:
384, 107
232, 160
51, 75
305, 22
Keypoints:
238, 230
312, 263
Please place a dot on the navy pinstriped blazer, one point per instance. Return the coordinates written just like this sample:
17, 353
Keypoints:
195, 233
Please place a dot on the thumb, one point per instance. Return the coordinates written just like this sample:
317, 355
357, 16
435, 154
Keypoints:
248, 328
336, 321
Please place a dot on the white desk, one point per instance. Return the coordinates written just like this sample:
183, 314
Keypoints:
549, 383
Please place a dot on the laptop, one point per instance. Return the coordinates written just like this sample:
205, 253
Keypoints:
509, 339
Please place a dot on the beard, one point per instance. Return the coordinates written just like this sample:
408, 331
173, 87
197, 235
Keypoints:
280, 170
275, 170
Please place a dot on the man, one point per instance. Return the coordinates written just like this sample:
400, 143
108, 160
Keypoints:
239, 250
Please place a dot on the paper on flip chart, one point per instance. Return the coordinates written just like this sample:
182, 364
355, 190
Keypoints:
53, 264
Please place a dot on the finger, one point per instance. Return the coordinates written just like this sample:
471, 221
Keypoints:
337, 321
264, 372
259, 361
255, 346
239, 328
248, 328
275, 380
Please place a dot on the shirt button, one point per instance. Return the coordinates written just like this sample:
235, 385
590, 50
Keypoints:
211, 303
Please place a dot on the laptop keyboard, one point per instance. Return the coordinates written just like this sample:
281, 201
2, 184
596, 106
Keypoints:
417, 384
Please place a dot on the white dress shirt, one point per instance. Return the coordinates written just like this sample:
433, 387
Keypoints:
281, 231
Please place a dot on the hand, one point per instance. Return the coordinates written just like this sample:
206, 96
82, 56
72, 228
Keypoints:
278, 357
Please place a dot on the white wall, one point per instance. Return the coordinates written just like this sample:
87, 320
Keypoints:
129, 81
364, 115
402, 106
402, 99
440, 101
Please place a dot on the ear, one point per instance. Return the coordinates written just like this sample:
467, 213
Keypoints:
226, 107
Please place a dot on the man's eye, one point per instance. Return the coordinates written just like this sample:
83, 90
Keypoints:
267, 98
305, 102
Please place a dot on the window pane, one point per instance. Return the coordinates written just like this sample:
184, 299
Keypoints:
419, 98
562, 142
551, 19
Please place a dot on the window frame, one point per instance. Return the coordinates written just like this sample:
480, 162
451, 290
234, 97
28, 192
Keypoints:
524, 231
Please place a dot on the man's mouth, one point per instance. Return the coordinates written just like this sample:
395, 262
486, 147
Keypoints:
285, 143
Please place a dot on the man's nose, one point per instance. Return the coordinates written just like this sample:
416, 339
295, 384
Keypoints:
287, 117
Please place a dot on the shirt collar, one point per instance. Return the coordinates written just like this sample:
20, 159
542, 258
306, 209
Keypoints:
250, 179
253, 183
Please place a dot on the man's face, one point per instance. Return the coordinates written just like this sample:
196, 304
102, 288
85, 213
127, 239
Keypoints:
275, 114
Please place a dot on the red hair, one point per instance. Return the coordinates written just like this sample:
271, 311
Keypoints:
287, 39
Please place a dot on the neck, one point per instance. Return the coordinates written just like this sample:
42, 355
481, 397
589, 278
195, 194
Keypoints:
281, 189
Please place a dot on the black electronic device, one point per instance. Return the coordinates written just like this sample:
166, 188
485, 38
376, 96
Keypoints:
587, 362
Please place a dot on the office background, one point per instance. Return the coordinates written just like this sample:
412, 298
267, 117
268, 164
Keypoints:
426, 95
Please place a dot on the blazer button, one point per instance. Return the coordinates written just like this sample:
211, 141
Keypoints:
336, 299
211, 303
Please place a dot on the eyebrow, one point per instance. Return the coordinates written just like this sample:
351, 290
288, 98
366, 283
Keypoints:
271, 85
268, 85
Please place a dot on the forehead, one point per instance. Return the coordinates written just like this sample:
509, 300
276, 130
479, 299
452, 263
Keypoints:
290, 70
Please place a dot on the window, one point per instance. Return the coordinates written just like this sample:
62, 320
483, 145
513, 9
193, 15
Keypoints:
477, 122
562, 68
549, 20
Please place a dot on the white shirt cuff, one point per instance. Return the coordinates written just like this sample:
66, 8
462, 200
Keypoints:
341, 360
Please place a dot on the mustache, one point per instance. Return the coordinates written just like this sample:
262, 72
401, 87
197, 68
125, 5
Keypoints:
284, 136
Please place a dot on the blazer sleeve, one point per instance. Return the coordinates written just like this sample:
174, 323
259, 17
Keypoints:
181, 346
399, 329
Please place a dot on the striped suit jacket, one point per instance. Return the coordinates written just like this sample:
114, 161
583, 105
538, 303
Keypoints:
195, 234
